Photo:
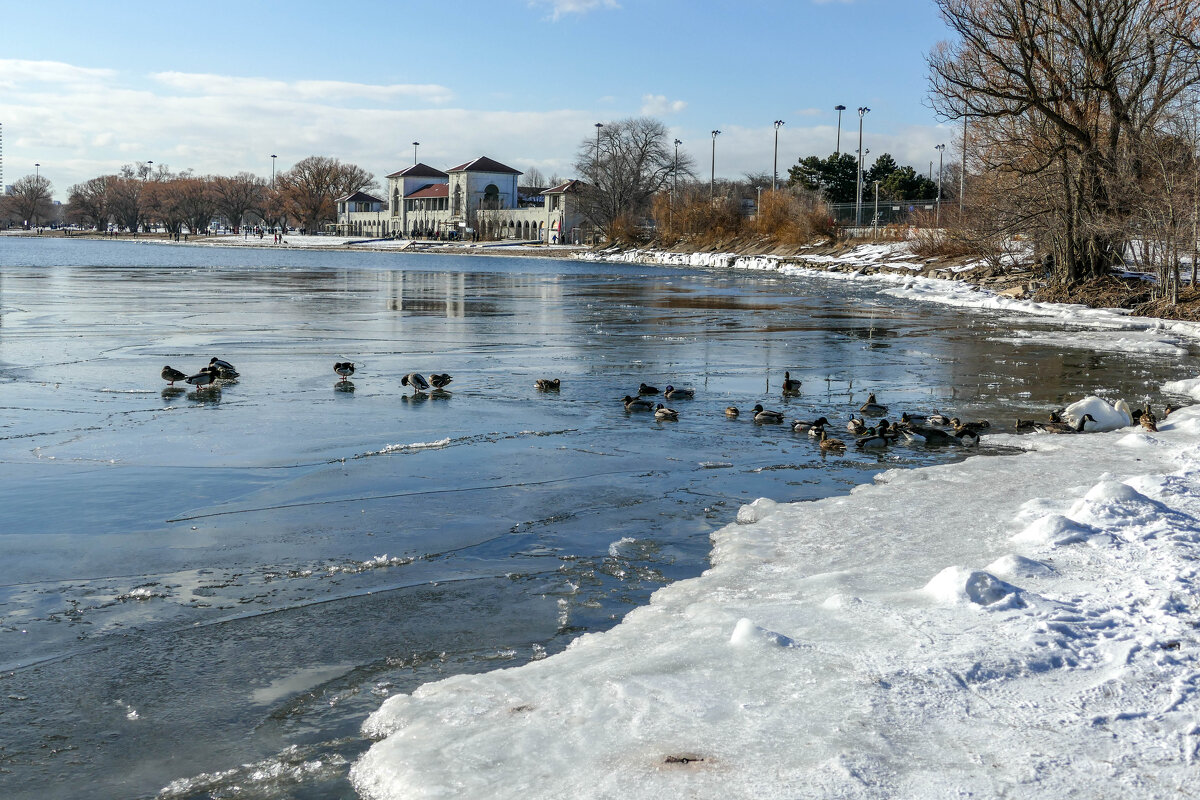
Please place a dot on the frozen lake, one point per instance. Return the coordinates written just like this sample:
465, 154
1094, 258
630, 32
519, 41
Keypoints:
194, 580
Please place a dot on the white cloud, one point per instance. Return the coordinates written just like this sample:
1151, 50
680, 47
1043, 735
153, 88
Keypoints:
226, 85
655, 105
560, 8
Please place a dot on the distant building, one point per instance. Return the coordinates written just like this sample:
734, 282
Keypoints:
361, 214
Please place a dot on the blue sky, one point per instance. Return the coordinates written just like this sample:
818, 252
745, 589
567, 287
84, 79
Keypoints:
218, 89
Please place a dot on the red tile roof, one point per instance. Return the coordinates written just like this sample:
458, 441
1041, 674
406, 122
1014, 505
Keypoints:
563, 188
429, 190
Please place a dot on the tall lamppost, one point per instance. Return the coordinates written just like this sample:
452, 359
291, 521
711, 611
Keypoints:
858, 172
273, 171
937, 214
675, 171
839, 108
775, 170
37, 187
712, 177
596, 160
415, 146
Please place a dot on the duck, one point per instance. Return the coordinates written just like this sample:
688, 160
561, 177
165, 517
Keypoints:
671, 393
1065, 427
938, 418
919, 434
967, 437
872, 407
732, 412
664, 413
645, 389
205, 377
977, 426
769, 417
547, 384
170, 375
1147, 420
831, 445
800, 426
343, 368
790, 386
856, 426
440, 380
1025, 424
1169, 409
221, 364
227, 374
877, 437
416, 380
638, 404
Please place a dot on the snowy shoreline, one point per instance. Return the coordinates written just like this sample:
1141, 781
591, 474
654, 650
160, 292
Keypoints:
1021, 626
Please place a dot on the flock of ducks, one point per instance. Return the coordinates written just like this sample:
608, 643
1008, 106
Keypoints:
217, 370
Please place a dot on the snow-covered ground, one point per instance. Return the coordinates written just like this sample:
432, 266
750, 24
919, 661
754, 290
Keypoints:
298, 242
1020, 626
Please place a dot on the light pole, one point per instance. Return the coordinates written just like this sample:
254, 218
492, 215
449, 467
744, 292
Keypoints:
839, 108
775, 170
712, 176
599, 125
858, 172
876, 221
37, 187
272, 171
415, 146
675, 171
937, 214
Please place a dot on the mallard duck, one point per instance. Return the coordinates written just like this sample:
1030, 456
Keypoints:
977, 426
638, 404
732, 412
769, 417
937, 418
1064, 427
920, 434
416, 380
440, 380
170, 374
871, 407
343, 368
225, 374
671, 393
831, 445
204, 377
662, 412
645, 389
1025, 424
790, 386
1147, 420
547, 384
856, 426
967, 437
221, 364
879, 436
1170, 409
800, 426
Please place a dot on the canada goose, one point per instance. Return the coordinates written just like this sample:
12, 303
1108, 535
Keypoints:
769, 417
1063, 427
343, 368
831, 445
872, 407
170, 374
205, 377
638, 404
662, 412
644, 389
790, 386
416, 380
799, 426
732, 412
671, 393
440, 380
547, 384
856, 426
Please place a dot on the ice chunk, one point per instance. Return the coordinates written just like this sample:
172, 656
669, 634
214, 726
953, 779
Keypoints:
747, 634
960, 585
1014, 566
760, 509
1055, 529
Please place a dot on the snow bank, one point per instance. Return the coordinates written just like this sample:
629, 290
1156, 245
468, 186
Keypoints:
1016, 626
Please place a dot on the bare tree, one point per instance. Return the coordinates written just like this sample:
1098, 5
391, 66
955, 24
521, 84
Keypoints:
29, 200
238, 196
311, 186
1064, 95
87, 203
623, 168
534, 179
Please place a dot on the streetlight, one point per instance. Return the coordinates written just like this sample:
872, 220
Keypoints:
273, 171
775, 171
839, 108
149, 169
415, 146
858, 173
712, 179
675, 171
599, 125
937, 214
37, 187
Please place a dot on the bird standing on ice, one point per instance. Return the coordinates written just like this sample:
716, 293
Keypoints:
170, 374
344, 368
416, 380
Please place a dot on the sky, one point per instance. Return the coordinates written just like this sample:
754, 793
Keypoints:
220, 87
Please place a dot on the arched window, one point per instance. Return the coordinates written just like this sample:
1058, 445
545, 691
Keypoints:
491, 196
